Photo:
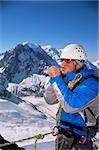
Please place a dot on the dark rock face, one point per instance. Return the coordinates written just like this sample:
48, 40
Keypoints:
24, 61
9, 147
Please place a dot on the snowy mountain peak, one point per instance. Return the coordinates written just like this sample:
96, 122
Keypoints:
51, 51
96, 63
25, 60
46, 46
27, 43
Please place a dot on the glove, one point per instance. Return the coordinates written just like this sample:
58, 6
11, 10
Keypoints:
53, 71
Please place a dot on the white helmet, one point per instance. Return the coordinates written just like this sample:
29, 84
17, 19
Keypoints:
73, 51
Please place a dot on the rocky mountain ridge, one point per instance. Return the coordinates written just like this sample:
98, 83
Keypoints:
25, 60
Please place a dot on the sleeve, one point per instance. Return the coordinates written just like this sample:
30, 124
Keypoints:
49, 95
73, 101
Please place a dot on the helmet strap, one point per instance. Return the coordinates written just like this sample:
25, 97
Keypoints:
80, 62
78, 66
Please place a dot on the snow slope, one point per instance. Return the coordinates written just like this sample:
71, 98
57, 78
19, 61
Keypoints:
18, 122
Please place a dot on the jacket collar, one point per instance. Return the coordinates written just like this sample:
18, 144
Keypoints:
84, 71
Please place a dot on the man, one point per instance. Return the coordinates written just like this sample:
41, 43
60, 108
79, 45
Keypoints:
75, 88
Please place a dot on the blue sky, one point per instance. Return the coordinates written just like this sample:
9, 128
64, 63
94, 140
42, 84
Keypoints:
49, 22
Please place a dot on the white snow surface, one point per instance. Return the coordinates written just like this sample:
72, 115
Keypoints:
2, 69
1, 57
17, 122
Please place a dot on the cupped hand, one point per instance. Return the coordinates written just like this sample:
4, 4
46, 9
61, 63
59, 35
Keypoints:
53, 71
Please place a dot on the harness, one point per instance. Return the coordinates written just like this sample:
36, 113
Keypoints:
72, 85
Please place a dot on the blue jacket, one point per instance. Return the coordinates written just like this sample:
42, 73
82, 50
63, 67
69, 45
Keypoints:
76, 99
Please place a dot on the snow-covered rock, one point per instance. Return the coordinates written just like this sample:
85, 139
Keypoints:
91, 65
27, 43
96, 63
51, 51
1, 56
13, 88
33, 85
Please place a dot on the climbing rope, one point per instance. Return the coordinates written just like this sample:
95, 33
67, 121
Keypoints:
37, 137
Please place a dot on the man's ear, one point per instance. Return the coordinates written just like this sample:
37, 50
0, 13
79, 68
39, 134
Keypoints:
75, 63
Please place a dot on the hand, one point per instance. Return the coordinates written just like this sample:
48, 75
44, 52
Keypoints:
53, 71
